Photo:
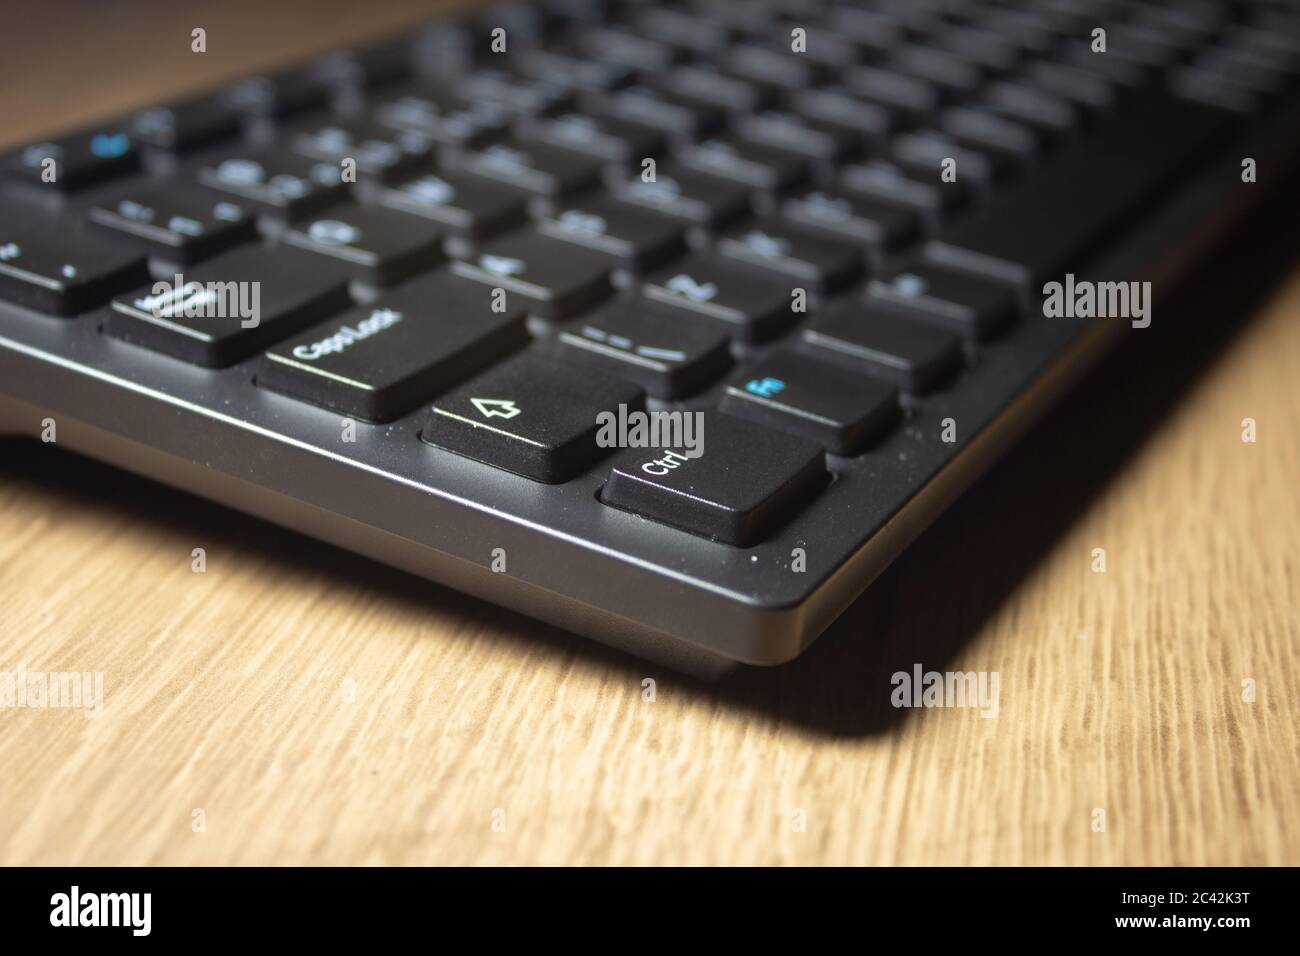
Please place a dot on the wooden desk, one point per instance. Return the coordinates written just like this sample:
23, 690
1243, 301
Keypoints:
319, 708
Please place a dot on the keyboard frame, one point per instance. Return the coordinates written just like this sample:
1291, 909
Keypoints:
655, 591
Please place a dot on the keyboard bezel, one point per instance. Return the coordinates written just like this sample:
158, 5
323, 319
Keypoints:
620, 579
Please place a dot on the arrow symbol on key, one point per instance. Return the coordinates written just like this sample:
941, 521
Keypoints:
496, 407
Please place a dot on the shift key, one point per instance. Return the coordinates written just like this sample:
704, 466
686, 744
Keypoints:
231, 306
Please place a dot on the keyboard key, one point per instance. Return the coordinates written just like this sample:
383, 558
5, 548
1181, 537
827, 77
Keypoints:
909, 95
275, 182
681, 117
55, 268
808, 136
533, 167
76, 161
233, 306
379, 361
607, 139
514, 92
175, 220
186, 124
831, 405
925, 154
441, 115
276, 95
551, 279
751, 164
751, 305
869, 222
531, 415
629, 48
369, 243
1043, 227
577, 73
953, 75
983, 130
1084, 90
812, 262
712, 89
696, 198
909, 354
361, 69
681, 29
463, 203
649, 346
775, 66
1046, 113
377, 150
837, 123
890, 183
628, 236
970, 307
746, 483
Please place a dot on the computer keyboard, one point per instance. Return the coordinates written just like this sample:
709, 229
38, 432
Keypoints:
400, 297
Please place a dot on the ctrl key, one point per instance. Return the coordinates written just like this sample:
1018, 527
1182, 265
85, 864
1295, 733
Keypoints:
741, 482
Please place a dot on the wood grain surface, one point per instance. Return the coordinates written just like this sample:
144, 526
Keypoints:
317, 708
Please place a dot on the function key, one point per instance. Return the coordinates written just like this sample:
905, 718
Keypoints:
55, 268
369, 243
234, 306
379, 361
76, 161
531, 415
274, 181
831, 405
175, 220
737, 485
636, 341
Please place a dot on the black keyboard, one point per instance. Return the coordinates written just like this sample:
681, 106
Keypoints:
669, 323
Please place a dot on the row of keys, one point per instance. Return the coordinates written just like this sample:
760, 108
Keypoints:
543, 420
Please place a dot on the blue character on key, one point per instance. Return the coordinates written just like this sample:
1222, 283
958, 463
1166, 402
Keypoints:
765, 387
109, 146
